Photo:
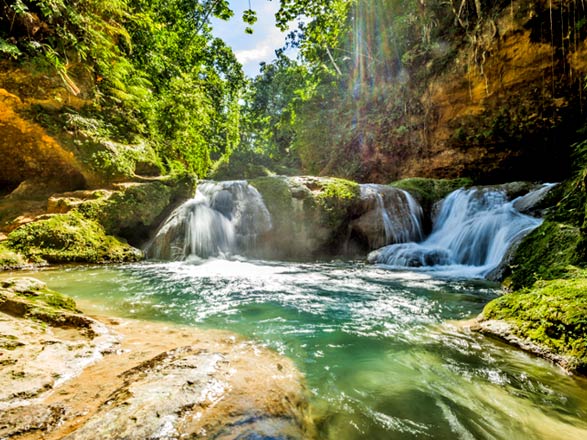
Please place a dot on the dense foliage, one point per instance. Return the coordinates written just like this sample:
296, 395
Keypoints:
152, 69
366, 67
159, 79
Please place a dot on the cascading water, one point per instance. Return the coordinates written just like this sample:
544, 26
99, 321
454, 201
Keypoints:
223, 218
391, 216
471, 234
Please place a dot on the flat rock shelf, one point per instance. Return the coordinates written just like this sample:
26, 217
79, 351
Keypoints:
106, 378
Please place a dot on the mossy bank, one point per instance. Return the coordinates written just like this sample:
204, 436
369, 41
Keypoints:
546, 309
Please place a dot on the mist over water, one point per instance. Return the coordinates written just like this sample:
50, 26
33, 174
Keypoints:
380, 349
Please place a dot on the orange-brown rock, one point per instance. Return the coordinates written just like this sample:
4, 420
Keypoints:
28, 152
505, 107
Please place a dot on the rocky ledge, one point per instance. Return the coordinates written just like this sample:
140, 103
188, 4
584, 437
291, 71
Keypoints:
66, 375
548, 319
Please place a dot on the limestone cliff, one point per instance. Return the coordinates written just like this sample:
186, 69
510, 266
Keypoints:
499, 98
52, 138
28, 152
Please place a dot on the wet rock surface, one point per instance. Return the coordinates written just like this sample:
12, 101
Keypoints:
136, 380
506, 332
320, 216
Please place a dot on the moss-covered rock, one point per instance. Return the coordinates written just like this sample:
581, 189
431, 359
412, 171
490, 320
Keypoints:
551, 314
430, 191
82, 226
277, 196
561, 240
336, 200
132, 210
30, 298
310, 215
138, 208
67, 238
37, 293
545, 253
10, 259
547, 312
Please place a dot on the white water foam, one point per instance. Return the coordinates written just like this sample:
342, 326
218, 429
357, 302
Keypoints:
223, 218
471, 235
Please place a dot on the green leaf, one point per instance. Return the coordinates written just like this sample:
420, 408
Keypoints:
9, 49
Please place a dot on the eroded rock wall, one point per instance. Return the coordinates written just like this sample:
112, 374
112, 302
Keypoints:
502, 102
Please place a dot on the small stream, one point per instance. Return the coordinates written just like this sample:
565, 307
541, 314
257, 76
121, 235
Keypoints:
382, 350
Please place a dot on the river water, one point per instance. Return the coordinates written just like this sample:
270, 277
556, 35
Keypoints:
382, 350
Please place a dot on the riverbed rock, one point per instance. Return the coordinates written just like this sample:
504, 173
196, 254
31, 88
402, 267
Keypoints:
66, 375
45, 341
319, 216
190, 392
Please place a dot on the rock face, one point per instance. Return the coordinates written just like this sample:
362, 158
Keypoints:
87, 225
77, 378
315, 216
42, 142
29, 153
499, 97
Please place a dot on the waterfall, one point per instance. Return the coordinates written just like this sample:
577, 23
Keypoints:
472, 233
391, 215
223, 218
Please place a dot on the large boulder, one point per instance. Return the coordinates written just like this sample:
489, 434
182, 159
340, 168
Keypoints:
309, 214
320, 216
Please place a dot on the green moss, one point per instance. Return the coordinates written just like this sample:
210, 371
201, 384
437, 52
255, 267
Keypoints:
336, 198
137, 208
30, 298
277, 197
10, 259
552, 314
562, 239
64, 238
545, 253
137, 204
109, 147
429, 191
37, 293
